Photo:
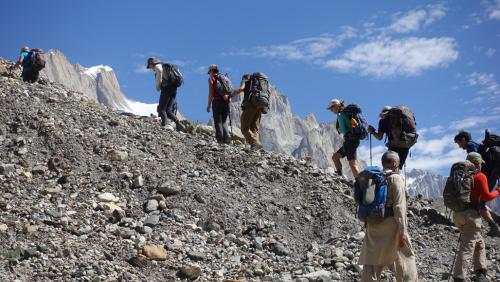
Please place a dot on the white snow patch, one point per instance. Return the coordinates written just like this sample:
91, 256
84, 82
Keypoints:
95, 70
141, 109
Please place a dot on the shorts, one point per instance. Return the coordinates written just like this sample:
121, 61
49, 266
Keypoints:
349, 148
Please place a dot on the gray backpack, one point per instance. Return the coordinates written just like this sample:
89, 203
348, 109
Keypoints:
403, 127
456, 194
259, 91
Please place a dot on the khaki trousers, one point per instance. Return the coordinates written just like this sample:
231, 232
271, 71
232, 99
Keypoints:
405, 270
250, 123
471, 243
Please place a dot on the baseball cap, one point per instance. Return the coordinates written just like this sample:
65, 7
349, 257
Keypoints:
474, 157
153, 61
212, 67
332, 103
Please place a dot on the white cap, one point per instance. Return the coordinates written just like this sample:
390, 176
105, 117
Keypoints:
332, 103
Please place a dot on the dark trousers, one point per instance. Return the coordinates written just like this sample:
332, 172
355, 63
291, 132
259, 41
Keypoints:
220, 111
167, 106
30, 76
403, 154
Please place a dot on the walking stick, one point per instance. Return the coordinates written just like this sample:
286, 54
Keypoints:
453, 264
371, 160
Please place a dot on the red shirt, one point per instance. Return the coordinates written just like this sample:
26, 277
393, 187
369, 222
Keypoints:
480, 189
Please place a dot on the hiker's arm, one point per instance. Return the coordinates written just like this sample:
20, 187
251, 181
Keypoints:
485, 193
377, 135
238, 90
396, 183
343, 127
18, 63
210, 95
158, 76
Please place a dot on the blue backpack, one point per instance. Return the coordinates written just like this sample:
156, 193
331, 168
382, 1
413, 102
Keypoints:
358, 123
370, 193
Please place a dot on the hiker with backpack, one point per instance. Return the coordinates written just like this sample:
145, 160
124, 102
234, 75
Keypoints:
168, 78
352, 127
489, 152
399, 126
380, 195
464, 190
219, 97
257, 92
32, 62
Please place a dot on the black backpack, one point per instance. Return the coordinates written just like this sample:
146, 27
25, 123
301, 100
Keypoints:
259, 91
403, 127
358, 123
37, 60
491, 154
224, 85
172, 76
456, 193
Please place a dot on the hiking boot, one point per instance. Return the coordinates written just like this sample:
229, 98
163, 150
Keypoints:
480, 276
494, 229
180, 127
256, 147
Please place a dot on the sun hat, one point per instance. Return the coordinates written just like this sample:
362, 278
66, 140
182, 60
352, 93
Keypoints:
474, 157
332, 103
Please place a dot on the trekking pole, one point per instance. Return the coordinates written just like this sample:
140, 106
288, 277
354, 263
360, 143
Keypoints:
454, 258
231, 127
371, 160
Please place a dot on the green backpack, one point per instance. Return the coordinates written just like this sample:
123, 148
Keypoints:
456, 194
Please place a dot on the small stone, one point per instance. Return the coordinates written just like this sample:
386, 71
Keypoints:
3, 227
151, 205
359, 236
39, 169
22, 151
196, 256
280, 250
152, 220
107, 197
29, 229
154, 252
109, 207
51, 190
169, 189
138, 181
117, 155
6, 169
190, 272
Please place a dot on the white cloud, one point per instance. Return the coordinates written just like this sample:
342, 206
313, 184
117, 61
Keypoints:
487, 82
473, 121
303, 49
386, 57
493, 10
141, 69
415, 19
490, 52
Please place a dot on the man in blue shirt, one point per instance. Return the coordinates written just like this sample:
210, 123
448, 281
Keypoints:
28, 73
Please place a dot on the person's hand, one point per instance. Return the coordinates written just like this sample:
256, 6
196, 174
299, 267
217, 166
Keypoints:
208, 109
371, 129
226, 98
498, 189
403, 240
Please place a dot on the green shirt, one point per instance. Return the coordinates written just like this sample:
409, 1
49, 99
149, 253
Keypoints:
344, 123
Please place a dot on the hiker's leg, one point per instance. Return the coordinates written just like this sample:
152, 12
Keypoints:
479, 257
371, 273
350, 148
402, 153
245, 125
172, 101
467, 223
162, 107
255, 125
217, 115
336, 160
224, 116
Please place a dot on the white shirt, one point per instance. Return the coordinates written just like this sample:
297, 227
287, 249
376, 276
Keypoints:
158, 75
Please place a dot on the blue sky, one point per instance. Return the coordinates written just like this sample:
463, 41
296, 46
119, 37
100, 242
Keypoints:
438, 57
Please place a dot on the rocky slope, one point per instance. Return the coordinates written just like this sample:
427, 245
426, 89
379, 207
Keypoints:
92, 194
